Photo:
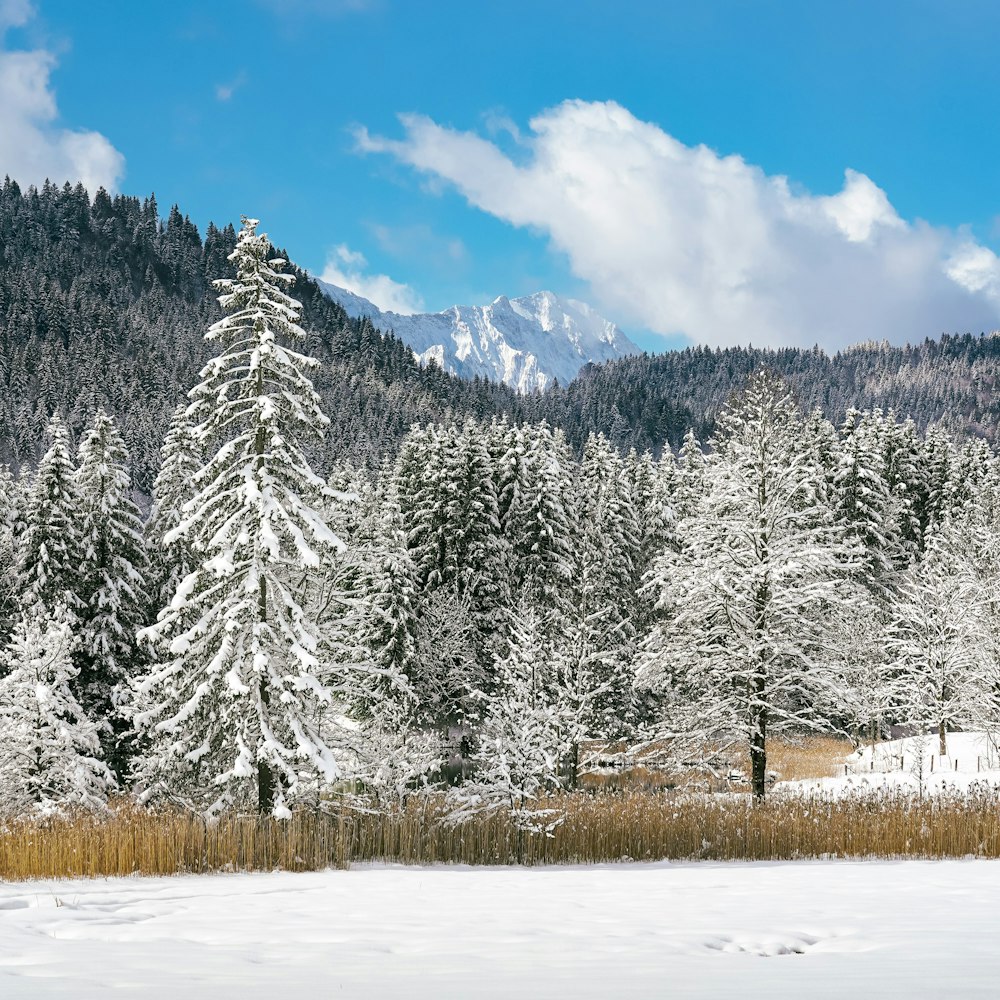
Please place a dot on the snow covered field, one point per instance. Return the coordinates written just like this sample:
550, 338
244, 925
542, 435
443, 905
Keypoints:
912, 764
818, 929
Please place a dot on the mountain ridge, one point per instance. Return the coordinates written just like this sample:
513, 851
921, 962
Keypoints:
526, 342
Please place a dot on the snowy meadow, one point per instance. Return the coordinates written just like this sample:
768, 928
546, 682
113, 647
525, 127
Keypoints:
762, 931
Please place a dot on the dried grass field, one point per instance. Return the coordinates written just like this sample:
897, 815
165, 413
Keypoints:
597, 825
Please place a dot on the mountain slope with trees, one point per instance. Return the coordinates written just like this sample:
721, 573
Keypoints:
645, 400
103, 303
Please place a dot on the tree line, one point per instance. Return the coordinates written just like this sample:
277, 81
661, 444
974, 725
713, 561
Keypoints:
488, 597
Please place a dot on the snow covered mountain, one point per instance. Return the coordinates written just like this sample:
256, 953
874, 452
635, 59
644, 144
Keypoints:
525, 342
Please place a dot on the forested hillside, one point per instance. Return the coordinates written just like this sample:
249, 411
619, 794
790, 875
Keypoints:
644, 400
103, 302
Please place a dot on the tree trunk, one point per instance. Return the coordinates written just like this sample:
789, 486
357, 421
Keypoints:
942, 739
265, 775
265, 788
573, 771
758, 756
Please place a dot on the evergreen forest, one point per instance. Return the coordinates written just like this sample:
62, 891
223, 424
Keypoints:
255, 557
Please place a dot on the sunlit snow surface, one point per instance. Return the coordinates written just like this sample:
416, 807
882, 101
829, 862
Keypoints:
524, 342
912, 765
804, 929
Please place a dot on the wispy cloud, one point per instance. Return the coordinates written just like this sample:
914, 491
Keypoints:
224, 91
15, 13
323, 8
348, 269
32, 146
421, 243
681, 239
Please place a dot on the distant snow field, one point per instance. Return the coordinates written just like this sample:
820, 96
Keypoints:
525, 342
912, 764
804, 929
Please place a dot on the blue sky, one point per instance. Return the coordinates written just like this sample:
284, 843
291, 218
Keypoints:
681, 166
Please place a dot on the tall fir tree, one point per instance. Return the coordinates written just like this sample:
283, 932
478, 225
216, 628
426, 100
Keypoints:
50, 548
113, 573
232, 710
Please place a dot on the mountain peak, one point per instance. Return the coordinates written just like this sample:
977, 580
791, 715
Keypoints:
526, 342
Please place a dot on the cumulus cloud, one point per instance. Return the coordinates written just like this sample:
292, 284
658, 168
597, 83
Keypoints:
348, 268
33, 146
683, 240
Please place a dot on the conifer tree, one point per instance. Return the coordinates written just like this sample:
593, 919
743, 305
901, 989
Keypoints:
389, 582
691, 472
113, 572
599, 612
50, 549
181, 457
472, 520
233, 707
50, 752
447, 490
864, 499
11, 502
907, 485
539, 528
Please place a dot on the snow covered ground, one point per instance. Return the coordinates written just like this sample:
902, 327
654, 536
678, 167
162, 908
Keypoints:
818, 929
912, 764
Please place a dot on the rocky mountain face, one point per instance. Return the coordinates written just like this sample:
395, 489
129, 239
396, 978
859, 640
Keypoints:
526, 343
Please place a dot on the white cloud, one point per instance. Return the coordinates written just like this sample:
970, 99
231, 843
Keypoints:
680, 239
33, 146
224, 91
14, 13
347, 269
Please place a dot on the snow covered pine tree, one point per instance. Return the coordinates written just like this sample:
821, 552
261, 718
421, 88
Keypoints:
231, 712
50, 755
50, 549
113, 577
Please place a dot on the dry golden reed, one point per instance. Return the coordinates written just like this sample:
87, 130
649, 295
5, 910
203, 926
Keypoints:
604, 827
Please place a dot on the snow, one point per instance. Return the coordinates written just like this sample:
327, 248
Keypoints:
768, 931
911, 764
525, 342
